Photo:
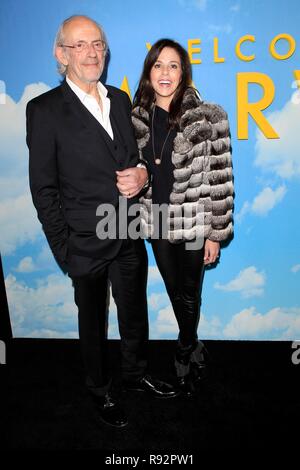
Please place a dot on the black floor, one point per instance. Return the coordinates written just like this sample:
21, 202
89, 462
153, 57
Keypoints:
251, 400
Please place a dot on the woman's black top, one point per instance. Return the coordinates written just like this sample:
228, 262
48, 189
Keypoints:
163, 177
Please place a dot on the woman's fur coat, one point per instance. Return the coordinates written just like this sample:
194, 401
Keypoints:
201, 200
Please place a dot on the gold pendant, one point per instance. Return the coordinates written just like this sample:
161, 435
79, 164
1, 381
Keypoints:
157, 161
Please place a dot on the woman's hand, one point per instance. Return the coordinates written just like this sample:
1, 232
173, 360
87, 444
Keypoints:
211, 251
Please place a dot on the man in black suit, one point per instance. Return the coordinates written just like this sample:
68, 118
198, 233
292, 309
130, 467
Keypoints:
83, 155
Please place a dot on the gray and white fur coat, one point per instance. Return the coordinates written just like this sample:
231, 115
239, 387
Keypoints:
201, 200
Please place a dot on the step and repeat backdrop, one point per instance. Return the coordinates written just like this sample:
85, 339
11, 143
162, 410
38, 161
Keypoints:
246, 57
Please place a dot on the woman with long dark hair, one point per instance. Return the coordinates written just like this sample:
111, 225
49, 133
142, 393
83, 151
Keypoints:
186, 143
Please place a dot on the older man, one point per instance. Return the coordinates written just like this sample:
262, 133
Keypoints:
83, 154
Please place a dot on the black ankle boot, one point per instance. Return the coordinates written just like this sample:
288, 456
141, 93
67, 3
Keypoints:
198, 363
186, 386
199, 371
183, 370
183, 353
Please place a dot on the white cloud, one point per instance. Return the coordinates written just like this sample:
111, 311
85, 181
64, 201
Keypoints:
12, 186
201, 4
246, 208
43, 261
249, 282
277, 324
45, 258
44, 333
295, 268
13, 152
263, 203
209, 328
267, 200
2, 92
17, 215
223, 28
154, 276
113, 327
165, 325
18, 222
236, 7
158, 300
26, 265
48, 309
189, 4
281, 156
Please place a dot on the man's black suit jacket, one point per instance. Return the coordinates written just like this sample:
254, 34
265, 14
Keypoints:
72, 165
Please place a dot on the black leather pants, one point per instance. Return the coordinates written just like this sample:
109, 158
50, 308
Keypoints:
182, 271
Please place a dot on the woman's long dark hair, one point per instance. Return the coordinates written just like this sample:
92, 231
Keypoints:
145, 94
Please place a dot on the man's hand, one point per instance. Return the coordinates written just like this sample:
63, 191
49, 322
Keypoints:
131, 181
211, 251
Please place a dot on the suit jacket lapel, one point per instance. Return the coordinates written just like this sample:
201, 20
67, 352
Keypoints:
115, 117
86, 118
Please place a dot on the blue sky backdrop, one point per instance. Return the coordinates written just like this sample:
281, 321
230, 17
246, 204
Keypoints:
254, 291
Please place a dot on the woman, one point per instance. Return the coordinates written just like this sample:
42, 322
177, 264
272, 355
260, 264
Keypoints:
187, 145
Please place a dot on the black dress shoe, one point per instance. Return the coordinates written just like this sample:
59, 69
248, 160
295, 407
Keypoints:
199, 371
109, 411
155, 387
186, 386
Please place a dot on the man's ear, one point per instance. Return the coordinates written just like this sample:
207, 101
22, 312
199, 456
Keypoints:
61, 56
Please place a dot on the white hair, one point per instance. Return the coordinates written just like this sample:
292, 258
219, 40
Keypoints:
60, 39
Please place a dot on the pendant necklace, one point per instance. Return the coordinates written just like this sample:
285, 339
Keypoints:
158, 159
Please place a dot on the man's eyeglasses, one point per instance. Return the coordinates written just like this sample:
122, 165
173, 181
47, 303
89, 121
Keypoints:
83, 46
